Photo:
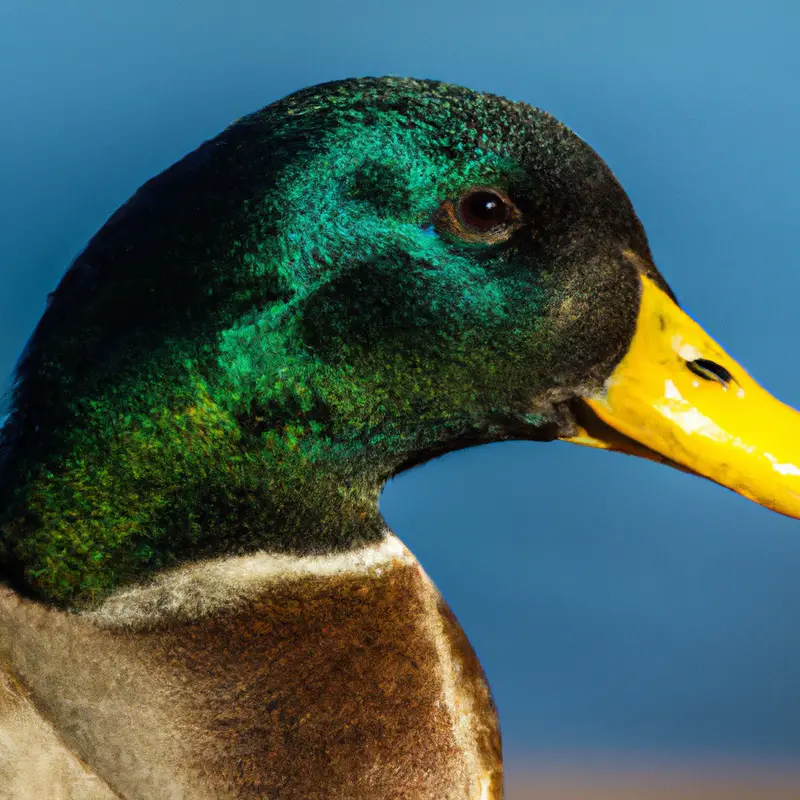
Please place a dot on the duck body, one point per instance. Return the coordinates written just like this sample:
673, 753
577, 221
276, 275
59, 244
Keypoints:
261, 676
202, 599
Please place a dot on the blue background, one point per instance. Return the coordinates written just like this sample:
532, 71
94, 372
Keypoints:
618, 607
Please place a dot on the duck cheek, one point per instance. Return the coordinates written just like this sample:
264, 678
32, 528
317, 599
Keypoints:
591, 324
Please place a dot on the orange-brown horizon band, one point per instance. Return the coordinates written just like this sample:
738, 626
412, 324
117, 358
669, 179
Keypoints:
731, 431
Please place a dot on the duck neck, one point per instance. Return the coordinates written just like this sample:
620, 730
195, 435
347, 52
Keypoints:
135, 486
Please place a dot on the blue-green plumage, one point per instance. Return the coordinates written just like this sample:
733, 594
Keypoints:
268, 330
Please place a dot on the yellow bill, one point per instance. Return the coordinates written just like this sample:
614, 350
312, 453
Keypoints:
677, 397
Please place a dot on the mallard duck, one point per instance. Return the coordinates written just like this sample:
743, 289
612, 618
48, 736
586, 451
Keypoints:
201, 597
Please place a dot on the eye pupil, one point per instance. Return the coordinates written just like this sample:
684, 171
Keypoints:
483, 210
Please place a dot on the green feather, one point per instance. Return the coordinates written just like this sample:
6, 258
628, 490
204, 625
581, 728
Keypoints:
277, 324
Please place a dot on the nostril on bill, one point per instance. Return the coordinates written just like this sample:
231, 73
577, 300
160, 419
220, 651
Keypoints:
710, 371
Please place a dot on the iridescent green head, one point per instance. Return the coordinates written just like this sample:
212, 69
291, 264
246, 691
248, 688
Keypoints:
348, 282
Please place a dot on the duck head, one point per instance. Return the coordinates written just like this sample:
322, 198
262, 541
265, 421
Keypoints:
349, 282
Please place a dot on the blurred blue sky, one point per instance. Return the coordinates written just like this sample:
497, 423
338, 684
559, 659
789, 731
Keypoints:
616, 605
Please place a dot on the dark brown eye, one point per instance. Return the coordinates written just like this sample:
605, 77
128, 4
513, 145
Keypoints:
483, 210
481, 215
